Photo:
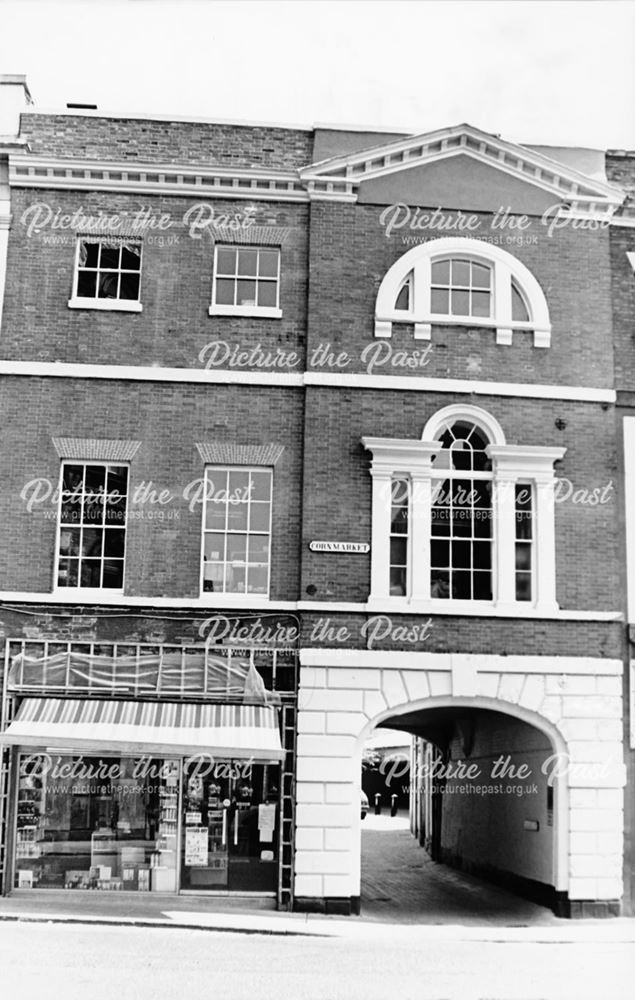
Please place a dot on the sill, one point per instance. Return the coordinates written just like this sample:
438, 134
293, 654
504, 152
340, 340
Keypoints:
86, 593
106, 305
255, 311
226, 600
486, 609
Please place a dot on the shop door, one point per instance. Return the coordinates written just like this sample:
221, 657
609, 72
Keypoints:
230, 826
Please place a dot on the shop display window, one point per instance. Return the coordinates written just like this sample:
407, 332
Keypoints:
105, 823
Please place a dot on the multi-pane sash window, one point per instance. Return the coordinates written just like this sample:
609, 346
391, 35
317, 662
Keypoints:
461, 523
92, 525
108, 268
246, 278
461, 288
400, 503
237, 530
523, 506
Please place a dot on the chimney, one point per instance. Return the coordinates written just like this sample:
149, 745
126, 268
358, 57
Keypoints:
14, 98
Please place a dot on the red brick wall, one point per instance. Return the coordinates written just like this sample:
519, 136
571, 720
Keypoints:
163, 553
176, 287
146, 140
337, 486
350, 254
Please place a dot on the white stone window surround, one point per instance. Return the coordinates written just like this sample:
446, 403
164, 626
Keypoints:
105, 305
505, 267
512, 464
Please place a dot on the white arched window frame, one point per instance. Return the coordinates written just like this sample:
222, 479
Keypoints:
512, 465
415, 266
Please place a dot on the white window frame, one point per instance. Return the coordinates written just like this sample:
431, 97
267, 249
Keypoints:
511, 464
263, 312
106, 305
80, 591
235, 595
505, 267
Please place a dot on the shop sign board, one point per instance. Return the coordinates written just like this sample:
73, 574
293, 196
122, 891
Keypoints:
348, 547
196, 846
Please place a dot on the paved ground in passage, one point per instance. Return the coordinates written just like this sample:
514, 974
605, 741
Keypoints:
400, 884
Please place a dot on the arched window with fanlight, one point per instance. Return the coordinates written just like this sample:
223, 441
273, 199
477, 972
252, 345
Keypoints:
459, 516
462, 281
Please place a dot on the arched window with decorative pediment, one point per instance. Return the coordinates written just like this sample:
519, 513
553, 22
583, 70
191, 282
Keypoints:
462, 519
463, 282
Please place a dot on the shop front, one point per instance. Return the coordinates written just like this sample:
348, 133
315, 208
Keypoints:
144, 794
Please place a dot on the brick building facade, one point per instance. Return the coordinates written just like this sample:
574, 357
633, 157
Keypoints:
400, 347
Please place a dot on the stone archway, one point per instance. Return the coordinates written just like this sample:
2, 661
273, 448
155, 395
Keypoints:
575, 701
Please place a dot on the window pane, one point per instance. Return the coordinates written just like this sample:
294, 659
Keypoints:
260, 486
114, 543
225, 288
216, 515
214, 547
482, 555
440, 301
523, 586
117, 480
113, 573
440, 554
115, 512
480, 276
73, 478
86, 284
267, 294
69, 541
88, 254
108, 285
247, 262
109, 257
95, 479
403, 298
236, 548
259, 517
268, 264
90, 573
129, 287
397, 581
460, 303
237, 516
238, 484
462, 554
257, 579
440, 585
399, 520
461, 586
71, 509
482, 586
523, 556
67, 572
519, 310
246, 293
441, 272
480, 303
226, 261
460, 273
398, 551
258, 549
92, 540
131, 258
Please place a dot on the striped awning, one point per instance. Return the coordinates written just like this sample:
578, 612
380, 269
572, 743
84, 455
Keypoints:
239, 731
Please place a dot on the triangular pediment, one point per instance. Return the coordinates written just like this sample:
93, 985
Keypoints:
459, 167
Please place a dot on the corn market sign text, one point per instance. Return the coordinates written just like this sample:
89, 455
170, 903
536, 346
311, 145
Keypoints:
350, 547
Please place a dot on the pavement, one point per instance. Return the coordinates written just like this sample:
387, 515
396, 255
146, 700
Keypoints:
403, 893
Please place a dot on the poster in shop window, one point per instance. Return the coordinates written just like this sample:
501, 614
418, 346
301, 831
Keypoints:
196, 846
